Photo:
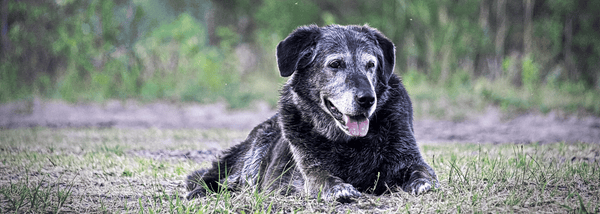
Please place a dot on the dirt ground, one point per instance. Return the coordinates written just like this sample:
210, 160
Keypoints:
490, 126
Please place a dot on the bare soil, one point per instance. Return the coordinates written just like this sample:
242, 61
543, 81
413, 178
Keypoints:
489, 126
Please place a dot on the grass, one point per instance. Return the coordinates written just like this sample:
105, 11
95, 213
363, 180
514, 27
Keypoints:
459, 97
142, 171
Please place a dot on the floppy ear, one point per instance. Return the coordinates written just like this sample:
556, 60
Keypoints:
296, 51
389, 55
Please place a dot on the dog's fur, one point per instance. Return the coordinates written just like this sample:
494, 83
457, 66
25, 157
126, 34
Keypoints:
344, 124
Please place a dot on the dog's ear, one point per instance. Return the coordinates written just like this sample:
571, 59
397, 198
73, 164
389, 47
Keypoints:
297, 50
389, 55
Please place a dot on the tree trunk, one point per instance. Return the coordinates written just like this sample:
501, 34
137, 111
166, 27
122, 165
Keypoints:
501, 29
568, 33
484, 14
445, 64
528, 23
446, 49
4, 42
411, 58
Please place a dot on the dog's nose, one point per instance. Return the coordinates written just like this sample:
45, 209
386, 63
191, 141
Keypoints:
365, 100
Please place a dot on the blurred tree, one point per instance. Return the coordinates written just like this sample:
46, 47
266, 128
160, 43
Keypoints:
4, 42
528, 22
98, 49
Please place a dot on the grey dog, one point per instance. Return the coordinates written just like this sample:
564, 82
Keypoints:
343, 126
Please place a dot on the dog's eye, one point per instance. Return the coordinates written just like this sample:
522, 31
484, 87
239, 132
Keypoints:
335, 64
370, 64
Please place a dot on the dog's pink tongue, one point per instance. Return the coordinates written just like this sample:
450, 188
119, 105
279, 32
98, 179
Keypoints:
357, 128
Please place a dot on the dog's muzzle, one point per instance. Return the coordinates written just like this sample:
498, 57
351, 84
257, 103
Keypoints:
353, 125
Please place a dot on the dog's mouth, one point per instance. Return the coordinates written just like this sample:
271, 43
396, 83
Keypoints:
353, 125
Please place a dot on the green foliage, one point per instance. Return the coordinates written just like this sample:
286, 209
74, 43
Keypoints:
175, 56
27, 52
550, 32
413, 78
530, 74
227, 36
281, 17
10, 83
578, 18
180, 64
100, 60
186, 50
567, 97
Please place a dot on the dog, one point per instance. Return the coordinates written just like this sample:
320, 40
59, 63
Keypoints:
343, 126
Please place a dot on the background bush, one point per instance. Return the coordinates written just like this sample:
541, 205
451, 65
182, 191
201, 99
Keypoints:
207, 51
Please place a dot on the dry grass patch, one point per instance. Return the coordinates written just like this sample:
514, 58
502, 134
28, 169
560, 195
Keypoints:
142, 171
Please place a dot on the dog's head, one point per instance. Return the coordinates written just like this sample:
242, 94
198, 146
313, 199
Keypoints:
339, 67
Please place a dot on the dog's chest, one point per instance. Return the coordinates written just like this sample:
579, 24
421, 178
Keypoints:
363, 160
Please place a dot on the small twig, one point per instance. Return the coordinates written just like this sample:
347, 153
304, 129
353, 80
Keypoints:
53, 164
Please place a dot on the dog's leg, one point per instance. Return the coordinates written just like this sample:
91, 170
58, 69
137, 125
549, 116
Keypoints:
318, 181
222, 175
203, 180
419, 178
195, 184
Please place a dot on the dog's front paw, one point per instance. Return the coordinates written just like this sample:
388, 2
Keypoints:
341, 192
419, 186
196, 193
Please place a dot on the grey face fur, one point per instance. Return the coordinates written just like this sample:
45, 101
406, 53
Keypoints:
348, 77
338, 95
